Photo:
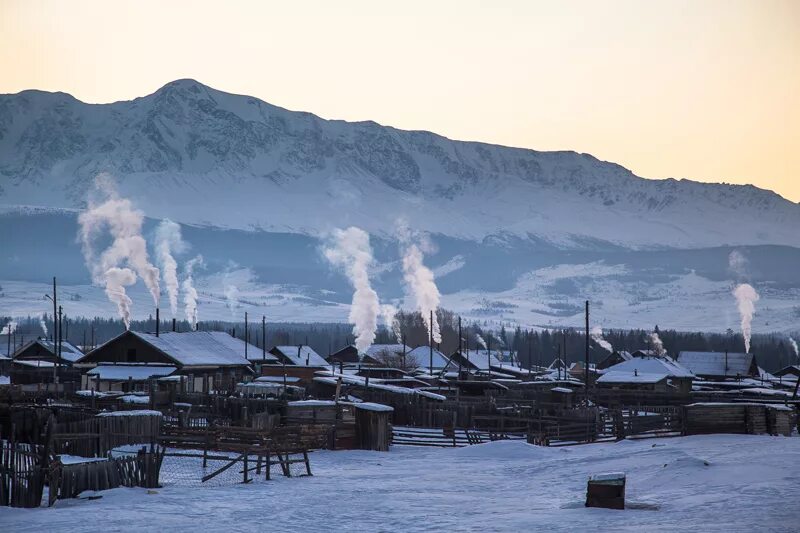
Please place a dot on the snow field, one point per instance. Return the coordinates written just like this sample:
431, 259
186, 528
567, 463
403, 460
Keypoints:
703, 483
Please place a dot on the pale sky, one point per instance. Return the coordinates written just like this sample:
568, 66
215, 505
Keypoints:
701, 89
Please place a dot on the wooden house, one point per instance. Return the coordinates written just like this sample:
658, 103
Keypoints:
348, 354
210, 359
34, 362
720, 365
424, 358
679, 378
633, 380
614, 358
124, 377
388, 355
300, 355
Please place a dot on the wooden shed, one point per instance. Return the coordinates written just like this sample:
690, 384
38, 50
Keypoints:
373, 426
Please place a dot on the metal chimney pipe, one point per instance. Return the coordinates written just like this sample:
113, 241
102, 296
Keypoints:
174, 325
158, 320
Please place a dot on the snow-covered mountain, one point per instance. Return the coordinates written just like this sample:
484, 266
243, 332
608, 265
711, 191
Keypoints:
520, 236
206, 157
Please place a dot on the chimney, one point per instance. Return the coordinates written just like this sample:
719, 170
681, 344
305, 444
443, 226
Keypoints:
174, 325
158, 320
635, 371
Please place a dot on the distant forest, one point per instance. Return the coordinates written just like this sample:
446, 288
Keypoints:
539, 347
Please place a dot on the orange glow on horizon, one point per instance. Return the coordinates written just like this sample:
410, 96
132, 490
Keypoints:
701, 90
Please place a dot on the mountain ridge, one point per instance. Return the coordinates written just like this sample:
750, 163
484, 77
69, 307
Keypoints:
192, 153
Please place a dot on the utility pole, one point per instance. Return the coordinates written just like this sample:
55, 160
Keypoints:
586, 356
246, 330
460, 346
55, 325
264, 337
489, 355
60, 339
430, 366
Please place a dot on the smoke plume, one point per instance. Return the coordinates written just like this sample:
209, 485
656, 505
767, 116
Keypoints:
793, 344
189, 291
9, 329
169, 242
597, 336
420, 280
350, 250
43, 325
737, 263
389, 314
746, 298
116, 279
656, 344
480, 341
117, 266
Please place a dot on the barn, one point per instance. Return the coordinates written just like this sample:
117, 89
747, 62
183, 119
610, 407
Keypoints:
210, 359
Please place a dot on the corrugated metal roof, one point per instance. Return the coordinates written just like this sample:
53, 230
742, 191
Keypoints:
306, 357
717, 363
652, 365
422, 354
200, 348
137, 372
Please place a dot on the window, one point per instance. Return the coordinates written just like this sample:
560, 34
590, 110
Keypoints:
131, 355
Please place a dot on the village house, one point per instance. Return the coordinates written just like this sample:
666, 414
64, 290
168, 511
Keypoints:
635, 380
614, 358
719, 366
420, 357
678, 378
381, 354
34, 362
210, 359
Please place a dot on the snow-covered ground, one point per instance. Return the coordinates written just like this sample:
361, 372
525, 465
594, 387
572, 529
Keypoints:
700, 483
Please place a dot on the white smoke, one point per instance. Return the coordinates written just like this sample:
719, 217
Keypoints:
656, 344
350, 250
737, 263
746, 298
232, 297
793, 344
116, 279
189, 291
43, 325
389, 314
9, 328
169, 242
480, 340
118, 265
597, 336
420, 280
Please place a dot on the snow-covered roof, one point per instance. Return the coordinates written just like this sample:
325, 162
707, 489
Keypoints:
136, 372
139, 412
717, 363
480, 359
370, 406
68, 351
422, 354
305, 356
652, 365
376, 349
34, 362
200, 348
261, 357
620, 376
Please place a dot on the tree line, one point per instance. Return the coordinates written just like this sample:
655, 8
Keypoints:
532, 347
